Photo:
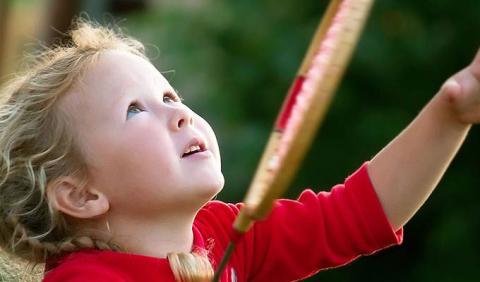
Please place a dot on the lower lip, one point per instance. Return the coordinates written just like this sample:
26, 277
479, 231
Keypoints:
201, 155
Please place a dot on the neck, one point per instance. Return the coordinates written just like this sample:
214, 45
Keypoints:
153, 237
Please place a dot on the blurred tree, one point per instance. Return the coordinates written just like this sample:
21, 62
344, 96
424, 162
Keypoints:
4, 9
59, 18
62, 13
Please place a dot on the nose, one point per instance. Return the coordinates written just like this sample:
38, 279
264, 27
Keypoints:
181, 118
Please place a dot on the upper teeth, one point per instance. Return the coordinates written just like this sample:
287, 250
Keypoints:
192, 148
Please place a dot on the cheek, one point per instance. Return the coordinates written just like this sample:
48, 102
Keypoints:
140, 160
210, 135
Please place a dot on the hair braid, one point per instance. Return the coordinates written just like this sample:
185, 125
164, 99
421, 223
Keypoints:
23, 245
26, 246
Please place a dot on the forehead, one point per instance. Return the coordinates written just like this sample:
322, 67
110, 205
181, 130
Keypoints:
116, 70
112, 76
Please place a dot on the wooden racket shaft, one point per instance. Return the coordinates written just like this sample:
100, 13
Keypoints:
305, 107
302, 112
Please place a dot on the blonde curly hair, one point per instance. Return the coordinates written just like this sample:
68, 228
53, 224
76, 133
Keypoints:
37, 146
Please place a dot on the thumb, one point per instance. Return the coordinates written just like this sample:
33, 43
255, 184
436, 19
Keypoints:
475, 66
451, 89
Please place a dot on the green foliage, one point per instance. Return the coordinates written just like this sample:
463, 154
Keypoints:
233, 61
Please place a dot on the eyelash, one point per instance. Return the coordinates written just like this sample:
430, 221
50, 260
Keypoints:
174, 97
168, 94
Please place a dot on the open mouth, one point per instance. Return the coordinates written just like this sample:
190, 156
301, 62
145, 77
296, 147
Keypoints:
195, 147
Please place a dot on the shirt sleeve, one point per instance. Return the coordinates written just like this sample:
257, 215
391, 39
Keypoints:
319, 231
301, 237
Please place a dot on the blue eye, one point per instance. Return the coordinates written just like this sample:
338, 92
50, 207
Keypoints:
133, 109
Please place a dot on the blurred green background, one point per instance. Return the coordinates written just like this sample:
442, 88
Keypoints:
233, 61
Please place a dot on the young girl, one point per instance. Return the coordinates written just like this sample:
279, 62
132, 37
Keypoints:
107, 176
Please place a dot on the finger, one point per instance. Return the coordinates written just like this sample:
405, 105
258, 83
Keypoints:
475, 66
477, 57
452, 90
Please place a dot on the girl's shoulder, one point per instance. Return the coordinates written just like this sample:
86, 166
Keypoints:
81, 265
223, 208
103, 265
217, 215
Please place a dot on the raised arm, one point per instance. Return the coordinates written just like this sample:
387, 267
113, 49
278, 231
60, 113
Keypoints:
407, 170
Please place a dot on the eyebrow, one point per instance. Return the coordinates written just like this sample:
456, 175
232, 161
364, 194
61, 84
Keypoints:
156, 80
177, 93
122, 96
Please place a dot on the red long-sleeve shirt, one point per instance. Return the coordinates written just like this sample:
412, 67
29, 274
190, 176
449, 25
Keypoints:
298, 239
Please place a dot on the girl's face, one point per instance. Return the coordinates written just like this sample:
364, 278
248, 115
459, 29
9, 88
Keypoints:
135, 132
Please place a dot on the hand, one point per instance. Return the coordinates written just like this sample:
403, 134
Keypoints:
462, 92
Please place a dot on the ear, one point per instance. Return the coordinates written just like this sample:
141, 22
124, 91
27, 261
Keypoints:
67, 196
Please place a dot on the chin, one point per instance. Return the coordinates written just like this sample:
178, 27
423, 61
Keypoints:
211, 189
